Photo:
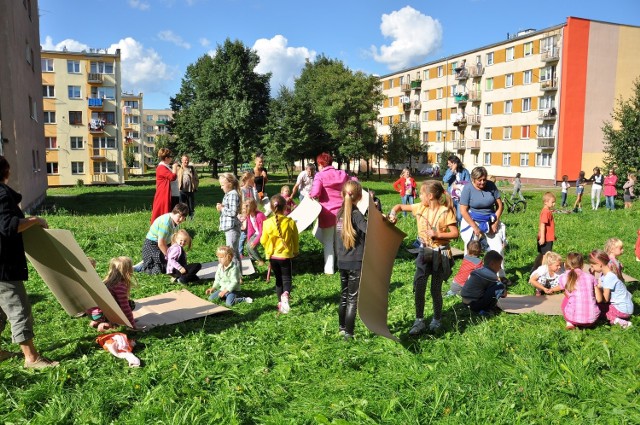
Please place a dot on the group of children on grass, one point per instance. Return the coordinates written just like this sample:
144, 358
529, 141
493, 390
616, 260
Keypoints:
600, 184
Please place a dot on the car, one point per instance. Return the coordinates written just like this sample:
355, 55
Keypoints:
427, 170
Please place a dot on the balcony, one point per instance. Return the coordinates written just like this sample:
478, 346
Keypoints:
476, 71
405, 87
94, 78
473, 144
551, 54
461, 98
98, 178
405, 107
549, 85
98, 153
474, 119
96, 126
162, 122
475, 96
459, 120
547, 114
414, 125
461, 73
95, 102
416, 84
416, 105
459, 145
546, 142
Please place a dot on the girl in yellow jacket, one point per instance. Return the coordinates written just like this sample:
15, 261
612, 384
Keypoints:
280, 241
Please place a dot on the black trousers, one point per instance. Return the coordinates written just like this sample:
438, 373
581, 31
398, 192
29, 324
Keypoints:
282, 269
189, 199
190, 275
347, 310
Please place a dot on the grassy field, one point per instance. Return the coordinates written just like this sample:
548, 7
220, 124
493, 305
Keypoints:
255, 366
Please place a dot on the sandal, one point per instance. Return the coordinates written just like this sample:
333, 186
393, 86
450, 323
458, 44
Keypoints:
40, 363
6, 355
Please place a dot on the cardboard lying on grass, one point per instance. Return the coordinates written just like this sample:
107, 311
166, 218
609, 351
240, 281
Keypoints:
172, 307
67, 272
208, 270
305, 213
380, 249
457, 253
549, 305
625, 276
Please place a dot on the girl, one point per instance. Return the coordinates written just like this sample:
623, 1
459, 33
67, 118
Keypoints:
177, 259
517, 188
596, 188
610, 190
617, 306
565, 187
580, 183
260, 179
248, 188
470, 262
614, 248
280, 241
351, 232
118, 282
545, 277
254, 220
228, 210
227, 281
580, 305
243, 228
290, 204
628, 194
406, 186
437, 225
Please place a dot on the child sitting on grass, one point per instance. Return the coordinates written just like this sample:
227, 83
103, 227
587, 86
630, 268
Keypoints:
177, 259
118, 282
254, 220
470, 262
483, 287
617, 305
614, 248
227, 280
545, 277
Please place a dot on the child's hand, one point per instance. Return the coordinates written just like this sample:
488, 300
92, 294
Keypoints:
548, 291
223, 294
183, 270
208, 291
219, 206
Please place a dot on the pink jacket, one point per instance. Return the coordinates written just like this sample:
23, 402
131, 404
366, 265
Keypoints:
327, 188
260, 218
610, 185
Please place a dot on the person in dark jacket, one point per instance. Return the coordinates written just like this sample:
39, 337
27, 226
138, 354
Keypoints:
483, 287
14, 304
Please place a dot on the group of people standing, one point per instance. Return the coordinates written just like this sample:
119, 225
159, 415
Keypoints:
600, 185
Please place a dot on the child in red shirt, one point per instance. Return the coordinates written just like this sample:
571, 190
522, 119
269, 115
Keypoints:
546, 228
470, 262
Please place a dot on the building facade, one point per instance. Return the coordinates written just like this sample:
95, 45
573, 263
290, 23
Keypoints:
21, 129
155, 126
82, 117
533, 104
133, 134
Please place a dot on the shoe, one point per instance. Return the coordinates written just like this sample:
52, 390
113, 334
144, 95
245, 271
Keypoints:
570, 326
435, 324
248, 300
624, 324
284, 303
138, 267
575, 210
40, 363
484, 313
6, 355
347, 336
418, 327
450, 293
637, 259
342, 332
174, 280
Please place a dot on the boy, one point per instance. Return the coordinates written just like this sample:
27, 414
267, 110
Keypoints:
470, 262
546, 228
483, 287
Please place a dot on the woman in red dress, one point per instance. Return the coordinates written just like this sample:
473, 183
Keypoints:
165, 174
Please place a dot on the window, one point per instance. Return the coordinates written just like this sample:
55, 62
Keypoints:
108, 117
132, 119
48, 91
49, 117
391, 101
545, 130
528, 48
33, 109
489, 58
543, 160
425, 137
489, 84
136, 135
439, 136
547, 102
525, 132
507, 133
509, 80
76, 142
527, 77
401, 80
107, 167
510, 53
526, 104
391, 83
439, 93
73, 67
425, 74
148, 128
103, 92
51, 142
74, 92
476, 159
488, 110
524, 159
52, 168
135, 149
488, 132
151, 139
454, 65
149, 117
508, 106
46, 64
439, 114
75, 117
487, 158
425, 115
546, 73
104, 142
77, 167
440, 71
101, 67
506, 159
133, 104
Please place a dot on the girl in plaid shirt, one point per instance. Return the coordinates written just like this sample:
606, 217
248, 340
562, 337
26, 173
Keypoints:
229, 209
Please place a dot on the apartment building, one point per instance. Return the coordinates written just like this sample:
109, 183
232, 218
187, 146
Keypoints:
133, 134
155, 125
21, 129
532, 104
82, 117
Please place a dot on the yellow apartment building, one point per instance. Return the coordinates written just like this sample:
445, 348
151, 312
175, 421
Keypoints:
155, 124
132, 118
532, 104
82, 117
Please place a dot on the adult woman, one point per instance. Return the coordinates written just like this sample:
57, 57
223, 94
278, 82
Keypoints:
165, 174
456, 177
14, 303
406, 186
158, 239
326, 189
187, 184
596, 188
610, 190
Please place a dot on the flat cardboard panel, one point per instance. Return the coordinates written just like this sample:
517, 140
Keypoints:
172, 307
67, 272
549, 305
305, 213
208, 270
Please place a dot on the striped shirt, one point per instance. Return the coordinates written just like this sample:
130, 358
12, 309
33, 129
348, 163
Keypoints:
162, 228
120, 292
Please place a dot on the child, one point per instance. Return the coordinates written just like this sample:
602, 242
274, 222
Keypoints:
280, 241
254, 220
545, 277
290, 203
177, 259
628, 195
580, 183
437, 225
351, 231
483, 287
243, 227
546, 228
617, 305
580, 305
565, 187
517, 188
118, 282
228, 210
248, 188
470, 262
406, 186
227, 280
614, 248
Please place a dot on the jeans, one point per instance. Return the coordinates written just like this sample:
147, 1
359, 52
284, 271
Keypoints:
609, 201
243, 239
564, 199
231, 298
407, 200
517, 192
349, 283
489, 299
423, 270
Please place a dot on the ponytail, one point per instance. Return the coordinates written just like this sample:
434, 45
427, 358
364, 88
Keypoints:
351, 194
574, 261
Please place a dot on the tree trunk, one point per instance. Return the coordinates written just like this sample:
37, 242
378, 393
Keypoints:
214, 168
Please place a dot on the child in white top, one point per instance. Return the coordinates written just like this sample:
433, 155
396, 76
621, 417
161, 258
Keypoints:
565, 187
545, 277
617, 307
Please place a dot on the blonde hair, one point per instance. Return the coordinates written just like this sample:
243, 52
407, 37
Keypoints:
547, 196
574, 261
551, 257
120, 270
278, 204
282, 189
406, 171
225, 251
351, 194
610, 244
231, 178
183, 233
248, 175
251, 205
436, 188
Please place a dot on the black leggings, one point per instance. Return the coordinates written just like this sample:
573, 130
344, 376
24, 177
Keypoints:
190, 275
350, 283
281, 268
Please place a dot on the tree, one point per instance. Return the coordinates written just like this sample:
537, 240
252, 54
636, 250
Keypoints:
403, 143
622, 136
222, 106
129, 156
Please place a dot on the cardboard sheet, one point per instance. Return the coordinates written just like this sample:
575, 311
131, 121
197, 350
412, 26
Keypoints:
67, 272
208, 270
305, 213
380, 249
548, 305
172, 307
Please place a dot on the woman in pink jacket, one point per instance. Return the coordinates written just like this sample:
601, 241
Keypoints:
610, 190
326, 189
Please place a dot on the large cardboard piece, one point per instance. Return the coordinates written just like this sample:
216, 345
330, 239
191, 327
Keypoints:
380, 249
67, 272
305, 213
172, 307
549, 305
208, 270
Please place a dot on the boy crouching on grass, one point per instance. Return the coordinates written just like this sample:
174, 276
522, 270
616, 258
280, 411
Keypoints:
483, 287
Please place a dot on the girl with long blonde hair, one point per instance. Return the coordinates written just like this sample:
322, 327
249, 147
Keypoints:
229, 209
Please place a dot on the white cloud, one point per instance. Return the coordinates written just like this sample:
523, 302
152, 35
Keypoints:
171, 37
414, 35
142, 69
204, 42
68, 44
282, 61
139, 4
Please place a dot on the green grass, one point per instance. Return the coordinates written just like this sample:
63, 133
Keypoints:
254, 366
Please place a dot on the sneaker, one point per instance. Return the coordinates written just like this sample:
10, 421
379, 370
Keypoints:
284, 303
435, 324
624, 324
342, 332
40, 363
248, 300
538, 293
450, 293
570, 326
418, 327
347, 336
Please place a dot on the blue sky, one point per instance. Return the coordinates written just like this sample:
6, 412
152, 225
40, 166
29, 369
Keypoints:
160, 38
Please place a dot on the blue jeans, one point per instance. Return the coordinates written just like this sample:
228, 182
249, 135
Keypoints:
243, 238
609, 200
232, 239
564, 199
231, 298
407, 200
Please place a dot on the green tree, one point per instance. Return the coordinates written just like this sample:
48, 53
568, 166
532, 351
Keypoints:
403, 144
622, 136
129, 156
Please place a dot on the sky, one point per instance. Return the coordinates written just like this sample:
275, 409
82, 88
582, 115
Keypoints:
159, 39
